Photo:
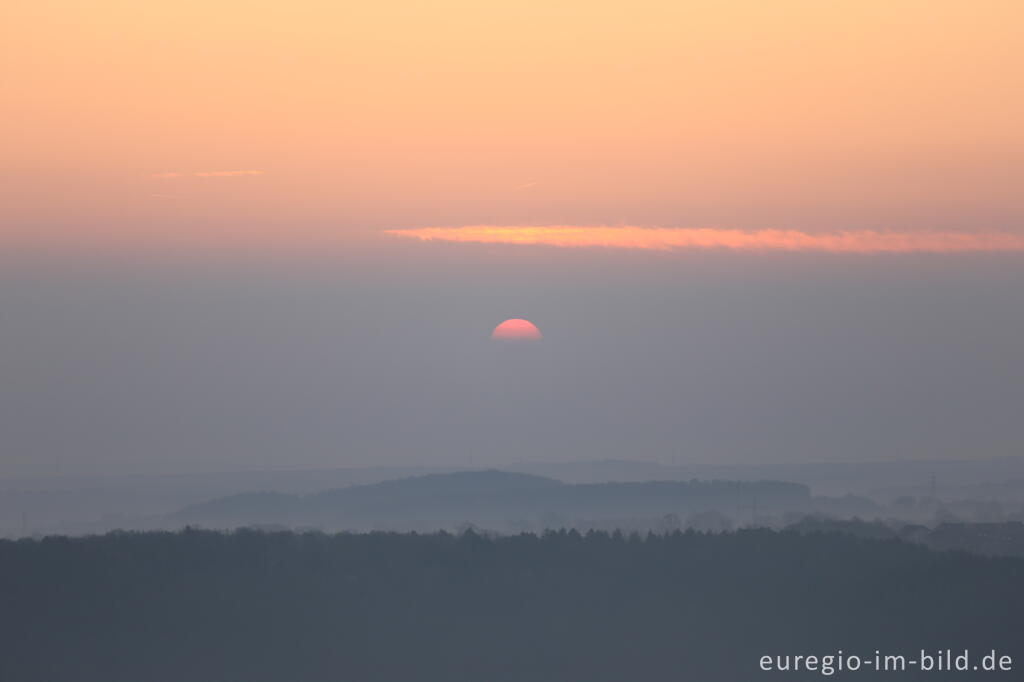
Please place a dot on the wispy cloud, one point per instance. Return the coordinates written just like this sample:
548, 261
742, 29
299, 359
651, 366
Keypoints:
226, 173
207, 174
667, 239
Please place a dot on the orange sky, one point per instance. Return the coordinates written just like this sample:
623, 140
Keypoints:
286, 125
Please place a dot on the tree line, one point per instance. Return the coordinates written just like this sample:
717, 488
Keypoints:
563, 606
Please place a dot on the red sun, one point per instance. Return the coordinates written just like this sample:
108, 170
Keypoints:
516, 330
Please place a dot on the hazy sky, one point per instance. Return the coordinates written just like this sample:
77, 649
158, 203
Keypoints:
747, 230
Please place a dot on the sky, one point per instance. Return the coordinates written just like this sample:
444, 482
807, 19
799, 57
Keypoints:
278, 235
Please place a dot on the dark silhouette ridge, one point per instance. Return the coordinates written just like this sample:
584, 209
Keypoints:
567, 607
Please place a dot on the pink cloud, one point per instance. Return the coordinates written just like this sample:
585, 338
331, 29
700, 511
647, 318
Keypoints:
207, 174
666, 239
226, 173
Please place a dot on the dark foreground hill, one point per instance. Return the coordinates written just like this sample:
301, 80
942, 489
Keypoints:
990, 539
495, 499
199, 606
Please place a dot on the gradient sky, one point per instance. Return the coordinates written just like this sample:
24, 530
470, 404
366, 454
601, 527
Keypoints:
742, 114
254, 234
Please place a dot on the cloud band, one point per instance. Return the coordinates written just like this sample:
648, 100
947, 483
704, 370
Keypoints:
207, 174
668, 239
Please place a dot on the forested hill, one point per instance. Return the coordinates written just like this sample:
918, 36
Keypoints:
259, 607
490, 497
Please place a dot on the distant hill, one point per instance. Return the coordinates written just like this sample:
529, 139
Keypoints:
983, 478
985, 490
493, 499
91, 504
